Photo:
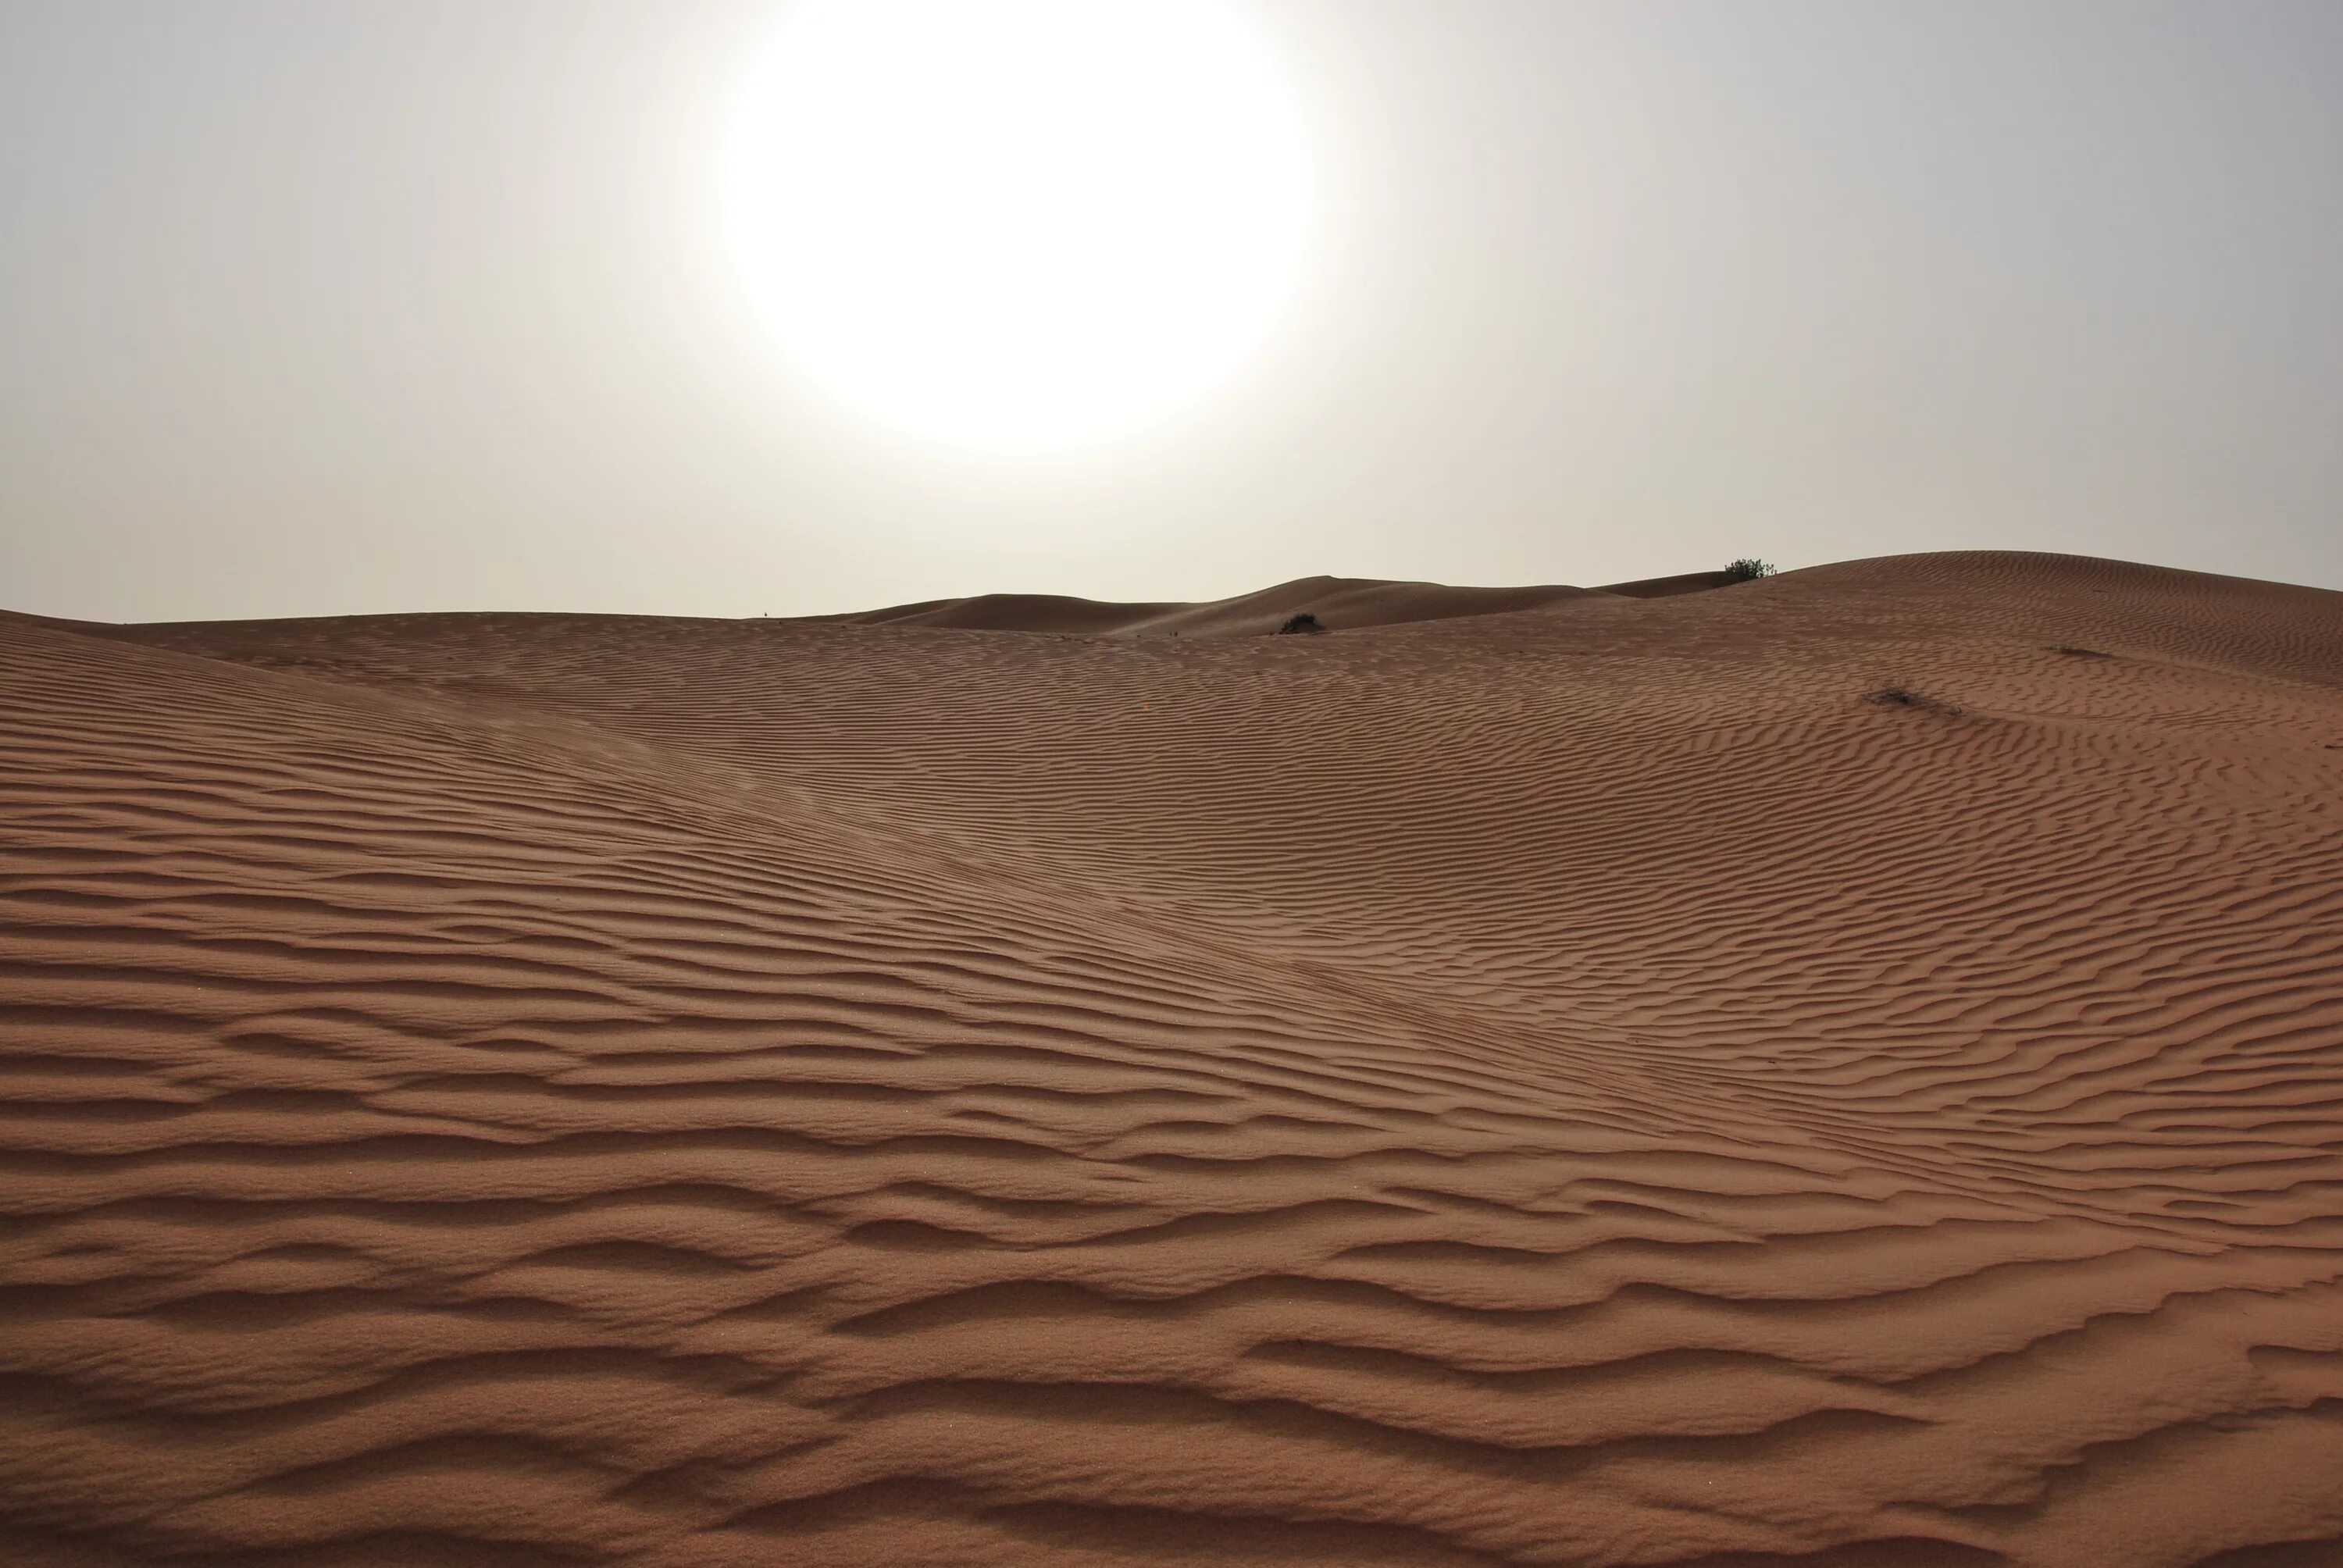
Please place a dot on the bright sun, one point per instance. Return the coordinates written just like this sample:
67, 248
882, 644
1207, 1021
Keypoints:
1017, 226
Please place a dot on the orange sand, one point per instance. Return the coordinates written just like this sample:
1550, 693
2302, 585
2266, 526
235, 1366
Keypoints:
1535, 1076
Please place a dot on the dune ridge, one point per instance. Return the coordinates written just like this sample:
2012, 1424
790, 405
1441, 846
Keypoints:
1843, 1069
1347, 602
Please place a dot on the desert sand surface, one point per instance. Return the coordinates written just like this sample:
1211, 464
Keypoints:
1842, 1069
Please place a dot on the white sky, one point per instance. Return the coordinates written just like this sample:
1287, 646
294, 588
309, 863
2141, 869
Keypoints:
378, 305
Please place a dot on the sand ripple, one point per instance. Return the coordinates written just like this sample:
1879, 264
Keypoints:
1576, 1080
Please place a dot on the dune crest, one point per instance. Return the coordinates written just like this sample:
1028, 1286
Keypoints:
1544, 1076
1337, 602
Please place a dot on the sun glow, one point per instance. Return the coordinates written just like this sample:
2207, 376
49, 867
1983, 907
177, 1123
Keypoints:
1017, 226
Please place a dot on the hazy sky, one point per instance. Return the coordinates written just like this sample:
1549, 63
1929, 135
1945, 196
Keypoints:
310, 306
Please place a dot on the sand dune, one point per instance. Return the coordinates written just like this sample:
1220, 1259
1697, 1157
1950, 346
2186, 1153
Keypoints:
1840, 1069
1336, 603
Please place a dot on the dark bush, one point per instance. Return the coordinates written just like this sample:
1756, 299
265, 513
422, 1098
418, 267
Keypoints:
1299, 623
1748, 569
1904, 697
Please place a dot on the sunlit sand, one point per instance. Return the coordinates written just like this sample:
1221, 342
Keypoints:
1840, 1068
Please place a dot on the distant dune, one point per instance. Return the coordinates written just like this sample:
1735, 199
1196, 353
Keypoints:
1839, 1070
1352, 602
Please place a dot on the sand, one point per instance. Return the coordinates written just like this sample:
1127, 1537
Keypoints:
1800, 1072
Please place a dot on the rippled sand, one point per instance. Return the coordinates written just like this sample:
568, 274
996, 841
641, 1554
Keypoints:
1841, 1069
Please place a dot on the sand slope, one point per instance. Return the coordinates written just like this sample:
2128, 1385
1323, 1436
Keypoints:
1344, 603
1801, 1073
